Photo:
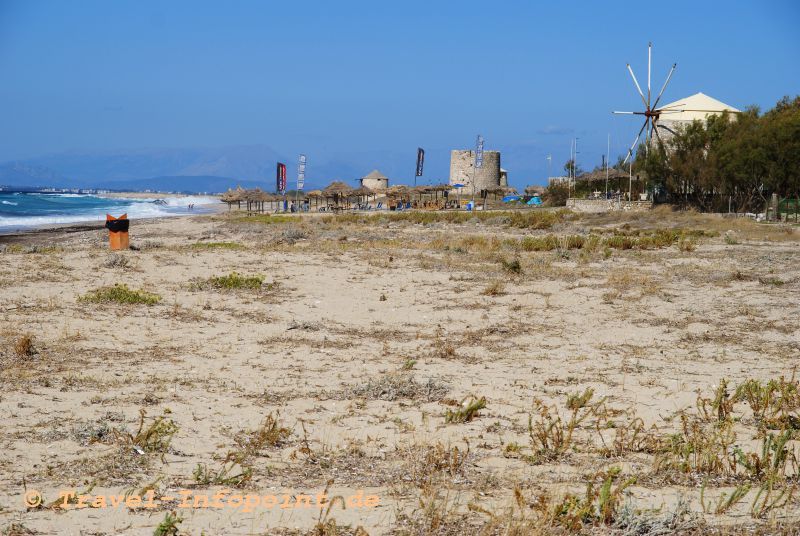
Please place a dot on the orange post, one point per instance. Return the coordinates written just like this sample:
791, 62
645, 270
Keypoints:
118, 232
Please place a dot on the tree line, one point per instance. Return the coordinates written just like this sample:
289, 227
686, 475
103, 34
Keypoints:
731, 161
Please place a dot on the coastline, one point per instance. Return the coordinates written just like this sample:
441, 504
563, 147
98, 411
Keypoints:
151, 195
64, 230
23, 234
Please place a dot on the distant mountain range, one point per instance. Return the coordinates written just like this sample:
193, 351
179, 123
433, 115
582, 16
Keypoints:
189, 169
195, 170
217, 169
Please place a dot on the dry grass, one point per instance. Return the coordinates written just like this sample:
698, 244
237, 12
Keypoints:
617, 329
23, 346
121, 294
495, 288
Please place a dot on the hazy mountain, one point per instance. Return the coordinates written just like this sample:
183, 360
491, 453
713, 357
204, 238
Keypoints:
26, 174
252, 162
188, 183
196, 169
209, 169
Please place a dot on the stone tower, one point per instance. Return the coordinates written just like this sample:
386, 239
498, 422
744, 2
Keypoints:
461, 170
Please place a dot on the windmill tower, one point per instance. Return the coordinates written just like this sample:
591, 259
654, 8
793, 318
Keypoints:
651, 110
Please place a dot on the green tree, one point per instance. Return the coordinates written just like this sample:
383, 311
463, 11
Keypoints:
570, 168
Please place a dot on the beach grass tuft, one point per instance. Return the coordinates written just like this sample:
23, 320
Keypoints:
120, 293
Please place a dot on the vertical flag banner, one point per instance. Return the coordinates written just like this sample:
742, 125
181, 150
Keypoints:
420, 160
301, 172
479, 152
280, 177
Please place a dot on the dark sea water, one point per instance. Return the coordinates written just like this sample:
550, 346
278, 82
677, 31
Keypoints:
25, 210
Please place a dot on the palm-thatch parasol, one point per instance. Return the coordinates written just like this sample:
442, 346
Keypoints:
315, 195
337, 190
231, 196
398, 190
362, 191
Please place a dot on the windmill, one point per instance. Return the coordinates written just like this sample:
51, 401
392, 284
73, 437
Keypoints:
651, 111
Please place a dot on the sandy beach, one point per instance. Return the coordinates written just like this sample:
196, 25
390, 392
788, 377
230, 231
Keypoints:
466, 373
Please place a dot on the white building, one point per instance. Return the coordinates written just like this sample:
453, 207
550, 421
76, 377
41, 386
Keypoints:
681, 113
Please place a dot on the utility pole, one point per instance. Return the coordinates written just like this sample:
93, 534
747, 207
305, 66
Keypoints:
575, 163
608, 156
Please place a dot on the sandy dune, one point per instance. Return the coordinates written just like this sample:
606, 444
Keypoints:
340, 367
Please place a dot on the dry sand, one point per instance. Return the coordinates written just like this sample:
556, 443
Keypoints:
363, 336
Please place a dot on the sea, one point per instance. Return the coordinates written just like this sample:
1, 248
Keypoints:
26, 210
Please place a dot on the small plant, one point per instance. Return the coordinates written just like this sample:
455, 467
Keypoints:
442, 348
224, 476
720, 408
397, 386
550, 435
773, 459
771, 496
217, 245
169, 526
629, 436
120, 294
235, 281
116, 260
598, 506
700, 448
425, 464
292, 235
724, 502
155, 438
271, 433
237, 467
512, 266
495, 288
409, 364
687, 245
468, 409
23, 346
774, 403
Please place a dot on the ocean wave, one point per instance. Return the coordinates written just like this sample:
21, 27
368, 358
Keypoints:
193, 199
138, 210
9, 203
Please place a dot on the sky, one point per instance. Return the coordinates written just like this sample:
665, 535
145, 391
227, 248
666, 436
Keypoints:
358, 80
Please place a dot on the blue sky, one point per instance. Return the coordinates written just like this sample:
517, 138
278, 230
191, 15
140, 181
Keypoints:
370, 80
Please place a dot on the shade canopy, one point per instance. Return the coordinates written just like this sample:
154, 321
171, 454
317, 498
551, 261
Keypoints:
337, 188
362, 191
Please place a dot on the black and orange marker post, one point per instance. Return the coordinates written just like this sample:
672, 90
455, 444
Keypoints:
118, 231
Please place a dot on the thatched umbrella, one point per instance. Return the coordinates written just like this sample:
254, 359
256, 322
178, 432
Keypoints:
337, 190
255, 199
231, 197
362, 191
435, 189
271, 199
399, 192
600, 175
315, 195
